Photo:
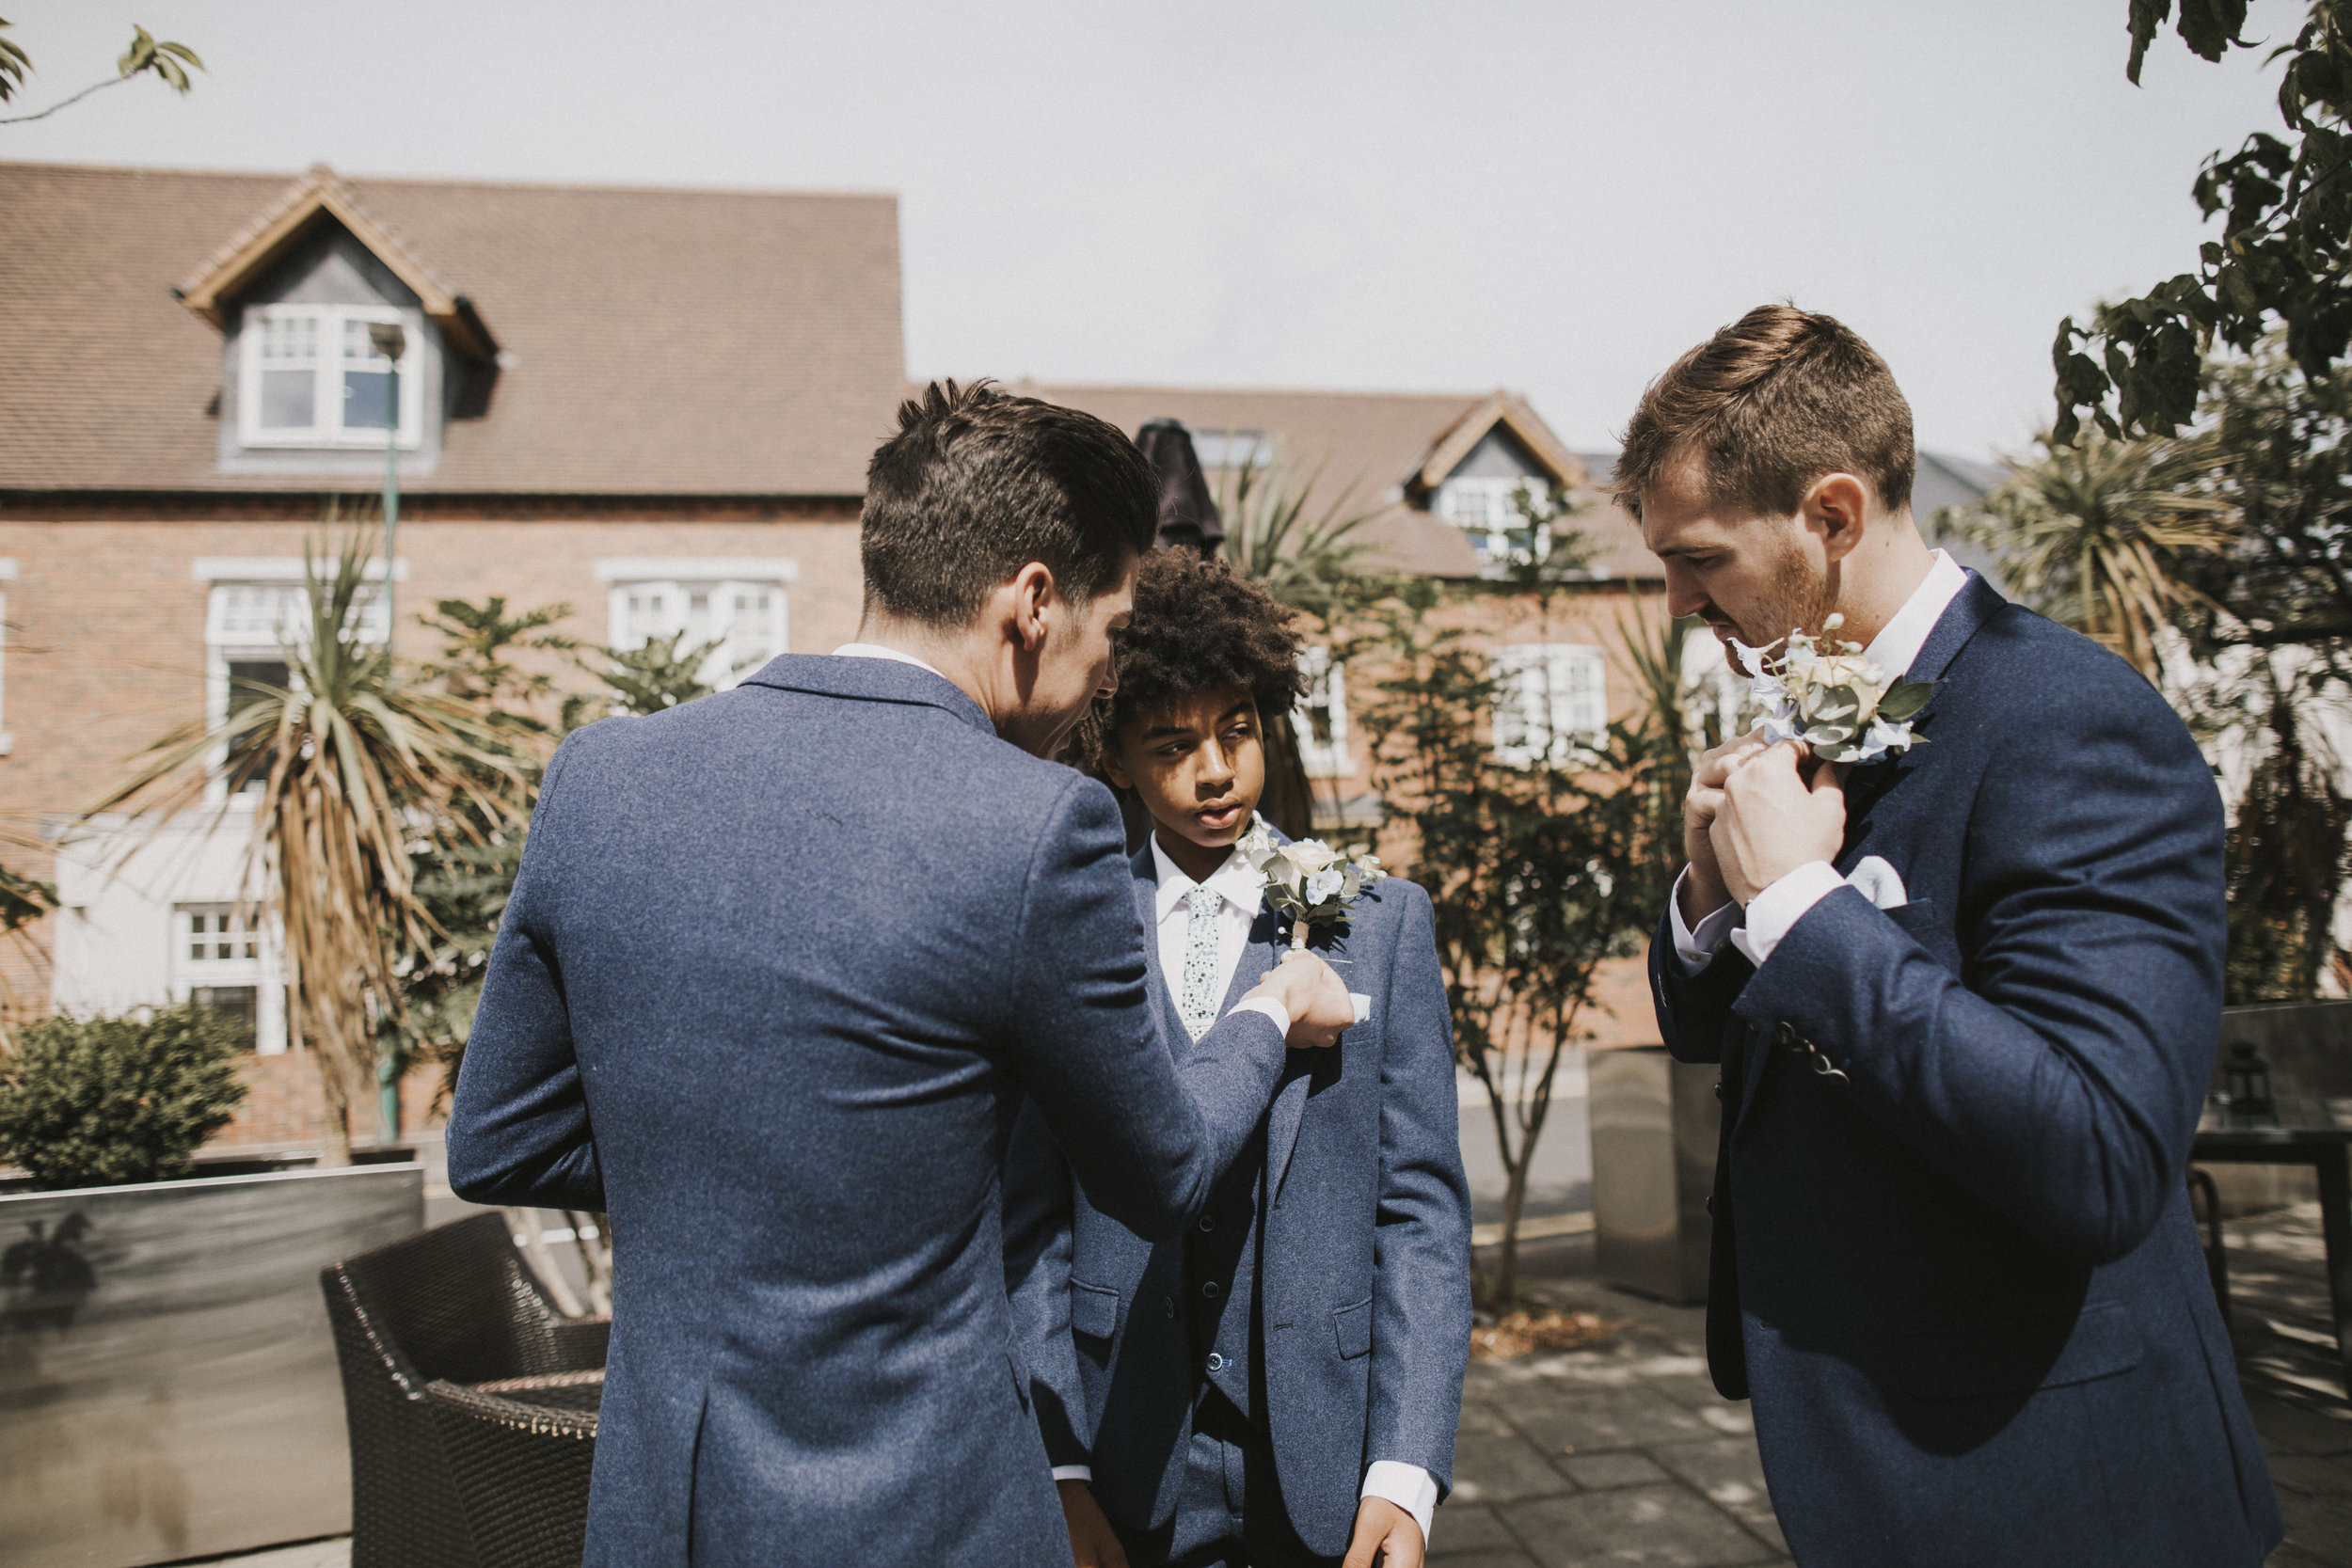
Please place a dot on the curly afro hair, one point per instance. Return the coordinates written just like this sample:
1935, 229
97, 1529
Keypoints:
1199, 627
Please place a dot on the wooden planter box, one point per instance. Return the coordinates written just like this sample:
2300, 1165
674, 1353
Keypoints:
168, 1382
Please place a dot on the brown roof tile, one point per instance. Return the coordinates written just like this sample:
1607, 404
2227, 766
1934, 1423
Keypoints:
1377, 444
663, 341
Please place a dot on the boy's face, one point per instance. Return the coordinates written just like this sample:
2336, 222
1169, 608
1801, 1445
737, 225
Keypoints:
1197, 764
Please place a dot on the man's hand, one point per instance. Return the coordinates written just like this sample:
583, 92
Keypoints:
1384, 1533
1703, 890
1770, 821
1092, 1542
1314, 996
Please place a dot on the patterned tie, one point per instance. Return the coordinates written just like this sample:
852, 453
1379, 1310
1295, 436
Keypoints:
1201, 993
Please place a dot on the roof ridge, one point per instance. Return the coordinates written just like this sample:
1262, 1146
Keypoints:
1470, 398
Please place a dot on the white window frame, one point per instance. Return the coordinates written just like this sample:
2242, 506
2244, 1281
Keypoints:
8, 575
1566, 683
723, 583
1326, 688
1232, 449
234, 633
327, 388
1486, 507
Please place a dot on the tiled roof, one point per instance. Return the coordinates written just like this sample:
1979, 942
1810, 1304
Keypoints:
1376, 444
657, 341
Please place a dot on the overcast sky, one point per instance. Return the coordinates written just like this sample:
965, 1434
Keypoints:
1555, 197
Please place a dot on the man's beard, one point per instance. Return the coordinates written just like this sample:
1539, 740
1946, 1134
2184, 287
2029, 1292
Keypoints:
1798, 601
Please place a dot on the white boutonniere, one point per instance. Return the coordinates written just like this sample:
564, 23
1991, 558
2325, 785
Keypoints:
1306, 878
1828, 696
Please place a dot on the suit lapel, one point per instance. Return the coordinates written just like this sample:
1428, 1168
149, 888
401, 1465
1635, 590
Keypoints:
1867, 785
1289, 1101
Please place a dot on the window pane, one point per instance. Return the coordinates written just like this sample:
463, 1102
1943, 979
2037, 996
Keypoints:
286, 339
367, 400
289, 400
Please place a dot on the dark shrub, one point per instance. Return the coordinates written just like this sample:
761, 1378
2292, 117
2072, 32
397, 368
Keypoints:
101, 1101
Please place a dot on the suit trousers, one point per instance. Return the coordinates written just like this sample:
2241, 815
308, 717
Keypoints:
1231, 1513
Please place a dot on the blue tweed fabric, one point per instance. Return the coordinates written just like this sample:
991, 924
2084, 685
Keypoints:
1342, 1320
780, 968
1954, 1262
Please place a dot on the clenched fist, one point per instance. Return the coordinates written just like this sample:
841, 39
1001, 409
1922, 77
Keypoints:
1703, 890
1771, 821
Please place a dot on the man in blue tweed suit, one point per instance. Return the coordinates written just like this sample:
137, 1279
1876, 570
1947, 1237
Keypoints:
1965, 1003
780, 968
1279, 1385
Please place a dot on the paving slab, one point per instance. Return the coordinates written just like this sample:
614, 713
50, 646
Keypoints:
1655, 1526
1501, 1468
1464, 1527
1602, 1472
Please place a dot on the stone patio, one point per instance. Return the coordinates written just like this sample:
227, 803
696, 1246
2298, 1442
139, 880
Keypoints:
1623, 1454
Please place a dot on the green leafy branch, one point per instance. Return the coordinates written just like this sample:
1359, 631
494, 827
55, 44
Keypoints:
2284, 258
171, 61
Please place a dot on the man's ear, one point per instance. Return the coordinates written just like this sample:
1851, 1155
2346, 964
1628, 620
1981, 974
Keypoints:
1113, 768
1838, 506
1034, 596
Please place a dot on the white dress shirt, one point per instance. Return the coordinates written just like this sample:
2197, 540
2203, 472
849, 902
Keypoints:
1775, 911
1237, 887
875, 650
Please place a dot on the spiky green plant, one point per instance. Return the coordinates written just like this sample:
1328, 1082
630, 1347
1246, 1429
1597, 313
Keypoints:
2097, 535
354, 764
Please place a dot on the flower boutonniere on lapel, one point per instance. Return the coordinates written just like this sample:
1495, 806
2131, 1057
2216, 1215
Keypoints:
1306, 878
1828, 695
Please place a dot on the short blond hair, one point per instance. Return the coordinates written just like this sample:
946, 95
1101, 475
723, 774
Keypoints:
1769, 404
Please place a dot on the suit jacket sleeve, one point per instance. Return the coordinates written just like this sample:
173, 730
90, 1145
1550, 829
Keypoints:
518, 1127
1694, 1010
1038, 1251
1420, 1312
2062, 1082
1146, 1139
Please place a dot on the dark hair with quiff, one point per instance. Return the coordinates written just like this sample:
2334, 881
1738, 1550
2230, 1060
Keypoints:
978, 483
1199, 627
1769, 404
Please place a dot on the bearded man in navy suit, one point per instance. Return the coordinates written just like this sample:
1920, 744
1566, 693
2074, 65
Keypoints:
780, 967
1965, 999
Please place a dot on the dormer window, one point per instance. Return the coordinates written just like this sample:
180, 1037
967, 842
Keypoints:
312, 377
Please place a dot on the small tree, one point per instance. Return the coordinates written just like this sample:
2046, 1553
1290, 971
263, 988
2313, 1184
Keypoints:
354, 766
1536, 872
102, 1102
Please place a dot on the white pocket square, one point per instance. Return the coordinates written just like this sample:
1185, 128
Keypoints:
1879, 882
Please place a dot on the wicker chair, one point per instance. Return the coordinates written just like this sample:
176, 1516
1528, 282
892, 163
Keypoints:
520, 1449
457, 1304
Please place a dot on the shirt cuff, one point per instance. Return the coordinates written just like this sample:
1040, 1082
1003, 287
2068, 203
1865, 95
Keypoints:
1074, 1472
1271, 1008
1696, 949
1410, 1487
1775, 913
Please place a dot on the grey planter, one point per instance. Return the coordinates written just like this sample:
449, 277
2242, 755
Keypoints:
168, 1381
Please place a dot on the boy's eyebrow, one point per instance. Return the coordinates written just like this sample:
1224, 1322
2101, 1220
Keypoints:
1156, 731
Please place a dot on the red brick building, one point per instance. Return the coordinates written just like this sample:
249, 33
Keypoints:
653, 406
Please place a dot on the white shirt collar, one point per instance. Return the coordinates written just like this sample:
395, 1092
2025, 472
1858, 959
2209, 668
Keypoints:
1234, 881
1898, 644
875, 650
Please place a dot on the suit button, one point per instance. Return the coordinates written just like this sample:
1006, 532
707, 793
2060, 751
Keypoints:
1208, 1221
1216, 1362
1168, 1306
1718, 1089
1710, 1203
1785, 1036
1209, 1290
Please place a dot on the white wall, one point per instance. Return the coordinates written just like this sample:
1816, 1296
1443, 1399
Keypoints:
118, 940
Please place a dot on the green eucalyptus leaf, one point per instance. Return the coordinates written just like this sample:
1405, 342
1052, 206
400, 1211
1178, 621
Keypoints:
1907, 698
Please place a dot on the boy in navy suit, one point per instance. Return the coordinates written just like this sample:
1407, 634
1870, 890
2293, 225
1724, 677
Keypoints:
1278, 1385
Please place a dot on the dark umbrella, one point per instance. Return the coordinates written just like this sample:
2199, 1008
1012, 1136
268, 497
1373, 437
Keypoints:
1188, 515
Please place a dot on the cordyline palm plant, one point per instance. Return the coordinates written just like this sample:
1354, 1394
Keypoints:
2095, 534
353, 766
